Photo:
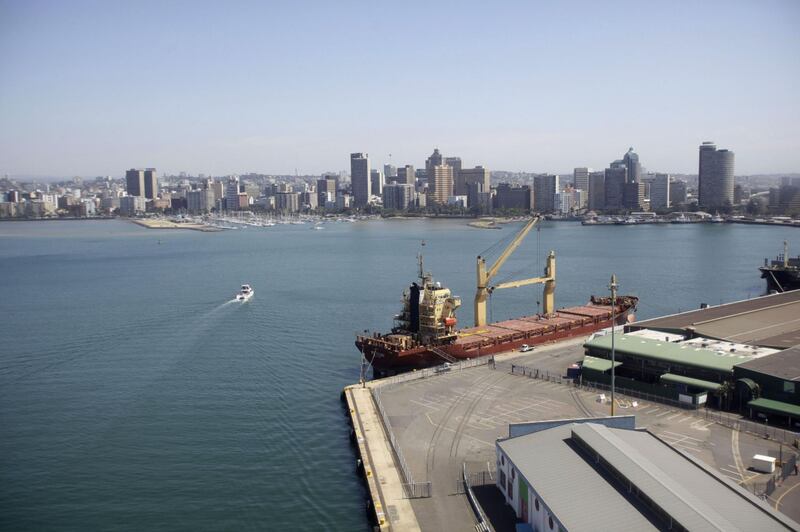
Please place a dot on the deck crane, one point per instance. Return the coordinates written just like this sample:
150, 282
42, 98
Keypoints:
485, 277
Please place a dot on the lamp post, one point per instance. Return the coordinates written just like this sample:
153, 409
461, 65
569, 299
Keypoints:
613, 287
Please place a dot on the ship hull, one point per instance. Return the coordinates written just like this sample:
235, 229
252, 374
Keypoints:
781, 279
387, 357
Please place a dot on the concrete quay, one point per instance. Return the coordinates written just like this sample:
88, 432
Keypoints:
444, 420
392, 511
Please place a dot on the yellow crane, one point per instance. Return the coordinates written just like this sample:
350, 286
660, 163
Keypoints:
485, 277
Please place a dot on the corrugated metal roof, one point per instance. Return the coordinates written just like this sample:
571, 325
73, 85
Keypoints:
585, 498
697, 383
669, 352
568, 486
783, 365
778, 407
766, 321
697, 497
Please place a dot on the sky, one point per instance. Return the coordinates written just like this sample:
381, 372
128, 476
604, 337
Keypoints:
91, 88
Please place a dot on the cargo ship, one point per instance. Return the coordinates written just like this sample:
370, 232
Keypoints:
783, 273
425, 332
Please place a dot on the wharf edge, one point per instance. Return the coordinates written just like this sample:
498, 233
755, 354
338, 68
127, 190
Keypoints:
389, 509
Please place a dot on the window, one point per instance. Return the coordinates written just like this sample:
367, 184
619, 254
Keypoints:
510, 489
513, 474
550, 522
788, 387
502, 479
536, 504
503, 459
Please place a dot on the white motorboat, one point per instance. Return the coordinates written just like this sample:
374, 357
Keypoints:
245, 293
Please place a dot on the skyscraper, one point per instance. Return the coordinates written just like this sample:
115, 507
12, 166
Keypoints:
631, 161
468, 176
615, 178
597, 192
545, 187
440, 183
150, 183
659, 192
455, 164
134, 181
434, 160
360, 179
406, 175
580, 178
389, 172
715, 176
232, 193
376, 181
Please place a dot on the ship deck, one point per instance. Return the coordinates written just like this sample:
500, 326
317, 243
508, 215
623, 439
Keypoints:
532, 324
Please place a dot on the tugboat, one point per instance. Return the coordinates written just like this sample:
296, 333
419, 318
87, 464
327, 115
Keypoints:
783, 273
425, 331
245, 293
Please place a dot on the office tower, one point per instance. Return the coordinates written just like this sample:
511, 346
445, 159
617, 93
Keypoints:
631, 162
398, 196
715, 177
406, 175
615, 178
659, 192
677, 193
287, 201
633, 196
150, 183
326, 191
468, 176
360, 179
389, 173
440, 183
455, 164
232, 194
508, 196
434, 160
545, 187
376, 181
134, 180
580, 178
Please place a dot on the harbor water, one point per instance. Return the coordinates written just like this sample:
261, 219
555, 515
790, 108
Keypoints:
136, 395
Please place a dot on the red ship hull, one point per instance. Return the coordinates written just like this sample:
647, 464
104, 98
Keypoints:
387, 356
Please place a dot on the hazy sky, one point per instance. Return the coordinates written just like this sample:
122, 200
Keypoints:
93, 88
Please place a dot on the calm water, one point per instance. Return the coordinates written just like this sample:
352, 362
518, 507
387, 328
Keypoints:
134, 395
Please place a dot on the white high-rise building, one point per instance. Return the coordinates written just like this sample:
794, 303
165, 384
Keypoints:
659, 192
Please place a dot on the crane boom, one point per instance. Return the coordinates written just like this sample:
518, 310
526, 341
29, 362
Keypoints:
485, 276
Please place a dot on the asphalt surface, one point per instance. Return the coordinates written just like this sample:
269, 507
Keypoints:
455, 417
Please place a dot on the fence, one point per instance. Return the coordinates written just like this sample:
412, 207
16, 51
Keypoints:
432, 372
413, 489
482, 525
766, 489
745, 425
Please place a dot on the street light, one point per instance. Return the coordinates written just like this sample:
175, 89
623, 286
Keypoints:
613, 286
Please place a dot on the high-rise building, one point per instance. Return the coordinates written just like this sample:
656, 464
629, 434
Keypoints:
398, 196
677, 192
597, 191
134, 181
232, 194
199, 201
406, 175
508, 196
631, 161
434, 160
545, 187
633, 196
150, 183
715, 177
376, 182
580, 178
440, 183
326, 191
389, 172
659, 192
467, 176
615, 179
455, 164
360, 179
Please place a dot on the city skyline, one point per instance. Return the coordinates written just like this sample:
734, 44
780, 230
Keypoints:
208, 90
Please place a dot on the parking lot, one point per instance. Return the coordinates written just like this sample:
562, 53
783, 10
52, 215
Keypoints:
455, 417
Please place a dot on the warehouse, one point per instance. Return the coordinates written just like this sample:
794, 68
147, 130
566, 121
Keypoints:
584, 475
769, 388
